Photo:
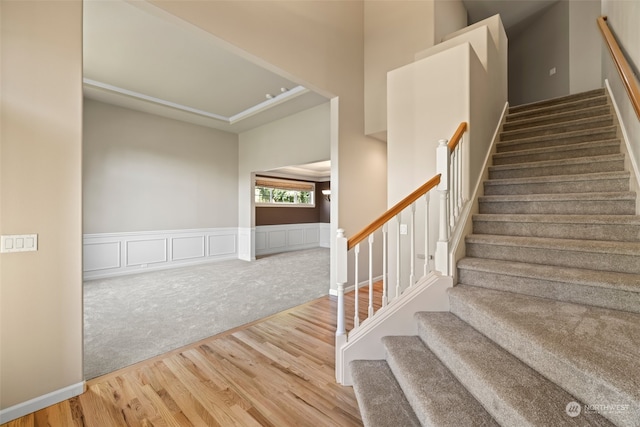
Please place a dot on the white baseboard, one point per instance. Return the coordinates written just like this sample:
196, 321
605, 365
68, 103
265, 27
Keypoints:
116, 254
40, 402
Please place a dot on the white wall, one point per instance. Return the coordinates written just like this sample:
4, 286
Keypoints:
143, 172
394, 32
295, 140
450, 16
623, 18
461, 79
40, 187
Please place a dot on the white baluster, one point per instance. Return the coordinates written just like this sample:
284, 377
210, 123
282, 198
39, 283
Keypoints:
398, 219
412, 276
426, 234
384, 264
460, 182
370, 312
356, 317
453, 209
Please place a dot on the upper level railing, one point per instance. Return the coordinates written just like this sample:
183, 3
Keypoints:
629, 80
448, 183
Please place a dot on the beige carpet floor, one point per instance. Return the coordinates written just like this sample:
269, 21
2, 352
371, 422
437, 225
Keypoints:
131, 318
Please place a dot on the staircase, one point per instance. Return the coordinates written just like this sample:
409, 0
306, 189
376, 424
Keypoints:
544, 328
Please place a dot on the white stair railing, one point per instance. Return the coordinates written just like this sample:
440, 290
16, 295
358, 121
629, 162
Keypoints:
448, 183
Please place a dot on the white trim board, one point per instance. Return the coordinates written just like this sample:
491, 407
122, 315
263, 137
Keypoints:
20, 410
115, 254
270, 239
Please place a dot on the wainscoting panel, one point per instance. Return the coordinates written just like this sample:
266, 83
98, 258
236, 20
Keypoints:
290, 237
145, 252
187, 248
325, 235
115, 254
222, 244
101, 256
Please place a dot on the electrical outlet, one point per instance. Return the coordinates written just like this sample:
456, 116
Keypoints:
404, 229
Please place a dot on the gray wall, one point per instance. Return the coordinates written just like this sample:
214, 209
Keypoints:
542, 46
143, 172
564, 37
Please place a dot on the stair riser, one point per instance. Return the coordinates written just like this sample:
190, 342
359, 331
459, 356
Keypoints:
571, 207
602, 261
564, 291
555, 155
555, 118
602, 185
557, 101
557, 131
555, 140
618, 233
569, 169
561, 108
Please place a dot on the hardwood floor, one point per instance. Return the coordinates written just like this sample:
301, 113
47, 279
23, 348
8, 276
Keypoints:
278, 371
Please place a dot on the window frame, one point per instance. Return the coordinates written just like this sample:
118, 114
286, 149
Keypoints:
284, 183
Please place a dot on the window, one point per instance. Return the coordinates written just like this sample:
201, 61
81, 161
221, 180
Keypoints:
281, 192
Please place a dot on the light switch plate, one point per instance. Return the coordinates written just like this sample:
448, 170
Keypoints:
19, 243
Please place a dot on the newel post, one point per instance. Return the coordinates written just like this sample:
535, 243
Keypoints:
341, 279
443, 168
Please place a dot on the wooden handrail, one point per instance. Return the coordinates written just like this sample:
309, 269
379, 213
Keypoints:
395, 210
457, 136
628, 79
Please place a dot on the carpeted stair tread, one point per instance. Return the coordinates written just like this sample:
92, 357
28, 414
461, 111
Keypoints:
582, 149
603, 203
514, 393
592, 164
591, 227
614, 290
609, 196
556, 117
558, 107
556, 101
380, 398
590, 352
593, 254
613, 181
593, 278
555, 140
557, 129
436, 396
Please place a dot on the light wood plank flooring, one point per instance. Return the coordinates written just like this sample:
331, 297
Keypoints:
278, 371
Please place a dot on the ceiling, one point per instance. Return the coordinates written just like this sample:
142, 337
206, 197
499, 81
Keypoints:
139, 57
